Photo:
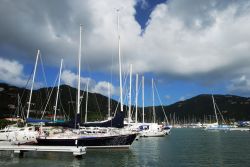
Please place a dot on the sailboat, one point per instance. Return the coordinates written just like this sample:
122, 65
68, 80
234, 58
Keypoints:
216, 125
26, 134
91, 135
118, 120
152, 129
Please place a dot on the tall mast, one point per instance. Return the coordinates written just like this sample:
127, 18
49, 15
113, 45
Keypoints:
79, 72
58, 88
86, 106
215, 109
120, 63
109, 94
32, 85
142, 99
18, 105
153, 94
136, 98
130, 92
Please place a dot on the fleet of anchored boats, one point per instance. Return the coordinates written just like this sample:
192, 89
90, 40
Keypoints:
111, 133
103, 134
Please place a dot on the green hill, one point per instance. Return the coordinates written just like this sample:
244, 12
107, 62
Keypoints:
197, 108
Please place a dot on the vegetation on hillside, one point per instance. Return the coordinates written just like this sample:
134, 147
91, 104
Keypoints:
198, 108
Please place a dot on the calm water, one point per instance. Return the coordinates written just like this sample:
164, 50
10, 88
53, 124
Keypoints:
184, 147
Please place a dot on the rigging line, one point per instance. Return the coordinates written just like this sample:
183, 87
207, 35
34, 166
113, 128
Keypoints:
50, 96
40, 96
81, 98
125, 78
61, 105
46, 84
98, 107
43, 104
220, 113
63, 112
116, 108
22, 113
164, 112
16, 108
71, 101
88, 69
113, 53
43, 72
25, 88
125, 74
132, 105
94, 94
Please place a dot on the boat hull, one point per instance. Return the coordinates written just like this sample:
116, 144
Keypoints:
152, 134
121, 141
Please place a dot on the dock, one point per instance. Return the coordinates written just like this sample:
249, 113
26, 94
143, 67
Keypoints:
20, 149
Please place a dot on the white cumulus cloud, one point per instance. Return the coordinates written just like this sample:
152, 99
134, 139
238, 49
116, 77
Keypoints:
104, 88
198, 40
70, 78
11, 71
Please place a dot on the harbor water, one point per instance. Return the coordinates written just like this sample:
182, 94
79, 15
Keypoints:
183, 147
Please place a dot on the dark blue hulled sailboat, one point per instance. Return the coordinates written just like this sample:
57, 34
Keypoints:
103, 134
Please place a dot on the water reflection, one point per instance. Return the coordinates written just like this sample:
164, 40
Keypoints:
117, 157
147, 150
75, 163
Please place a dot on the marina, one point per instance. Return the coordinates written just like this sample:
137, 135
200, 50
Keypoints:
188, 147
140, 83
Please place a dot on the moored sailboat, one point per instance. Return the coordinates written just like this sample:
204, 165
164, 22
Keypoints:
90, 134
216, 126
22, 135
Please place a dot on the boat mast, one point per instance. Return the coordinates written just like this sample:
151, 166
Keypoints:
215, 110
86, 106
18, 105
32, 85
130, 92
142, 99
109, 94
153, 94
136, 98
79, 73
120, 64
58, 89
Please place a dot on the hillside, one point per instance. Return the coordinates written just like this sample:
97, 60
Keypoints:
201, 107
196, 108
97, 103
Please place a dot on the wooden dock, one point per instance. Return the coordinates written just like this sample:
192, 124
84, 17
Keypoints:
20, 149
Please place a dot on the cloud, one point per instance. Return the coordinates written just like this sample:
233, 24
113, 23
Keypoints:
184, 48
11, 71
240, 85
70, 78
207, 41
104, 87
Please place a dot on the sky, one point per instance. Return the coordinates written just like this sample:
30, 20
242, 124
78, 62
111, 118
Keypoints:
189, 47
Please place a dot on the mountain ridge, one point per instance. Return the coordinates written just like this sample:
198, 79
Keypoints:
197, 108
